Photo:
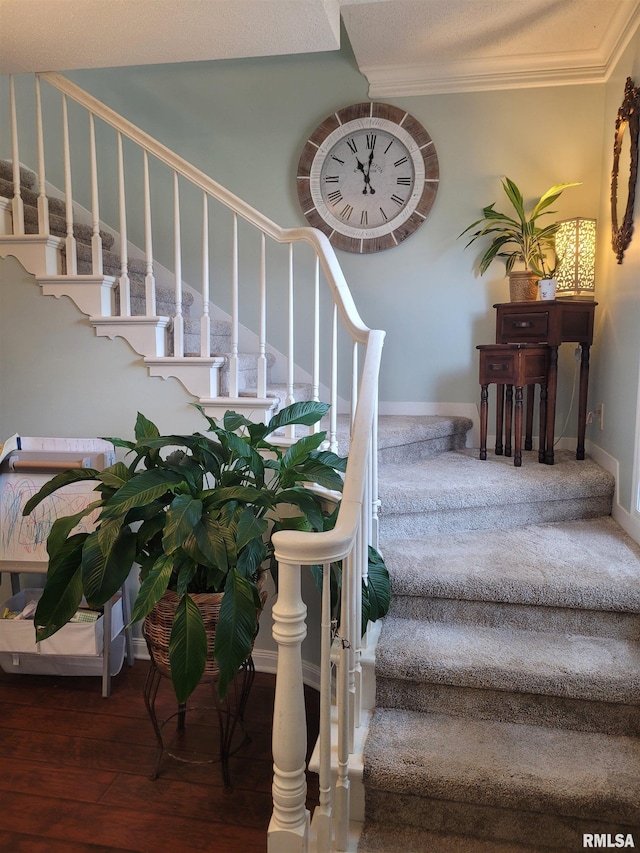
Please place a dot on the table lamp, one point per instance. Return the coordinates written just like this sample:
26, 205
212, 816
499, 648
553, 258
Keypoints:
576, 249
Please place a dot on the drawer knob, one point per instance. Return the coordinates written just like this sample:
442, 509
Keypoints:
502, 367
523, 324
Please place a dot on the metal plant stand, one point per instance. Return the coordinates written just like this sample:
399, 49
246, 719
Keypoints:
230, 713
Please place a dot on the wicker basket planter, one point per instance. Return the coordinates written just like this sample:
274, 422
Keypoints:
523, 286
157, 626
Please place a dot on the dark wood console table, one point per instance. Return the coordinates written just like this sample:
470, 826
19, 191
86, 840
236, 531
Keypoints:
554, 321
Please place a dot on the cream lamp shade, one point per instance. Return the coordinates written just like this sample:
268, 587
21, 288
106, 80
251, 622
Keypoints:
576, 251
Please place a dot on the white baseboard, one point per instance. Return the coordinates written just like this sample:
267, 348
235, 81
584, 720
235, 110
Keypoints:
625, 519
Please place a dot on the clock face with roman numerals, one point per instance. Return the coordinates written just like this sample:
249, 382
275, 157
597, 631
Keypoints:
368, 177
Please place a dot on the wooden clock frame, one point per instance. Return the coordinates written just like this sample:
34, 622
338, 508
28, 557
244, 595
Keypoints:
334, 129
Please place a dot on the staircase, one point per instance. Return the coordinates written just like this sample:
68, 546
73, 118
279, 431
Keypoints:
508, 669
220, 330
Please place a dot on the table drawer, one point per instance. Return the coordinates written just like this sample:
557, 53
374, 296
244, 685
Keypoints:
514, 327
500, 368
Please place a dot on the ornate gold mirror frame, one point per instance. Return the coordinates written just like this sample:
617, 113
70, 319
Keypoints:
628, 120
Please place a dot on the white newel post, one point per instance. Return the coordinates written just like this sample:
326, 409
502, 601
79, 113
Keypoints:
289, 826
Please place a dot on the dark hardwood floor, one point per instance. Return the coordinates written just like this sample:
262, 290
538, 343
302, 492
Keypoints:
76, 767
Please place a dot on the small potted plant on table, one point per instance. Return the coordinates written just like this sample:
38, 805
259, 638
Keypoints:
518, 238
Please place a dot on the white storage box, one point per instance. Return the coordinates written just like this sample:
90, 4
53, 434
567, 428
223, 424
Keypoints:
78, 639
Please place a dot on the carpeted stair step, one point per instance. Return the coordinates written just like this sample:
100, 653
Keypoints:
29, 196
561, 680
28, 177
391, 838
573, 576
457, 491
403, 439
220, 336
57, 215
412, 437
497, 781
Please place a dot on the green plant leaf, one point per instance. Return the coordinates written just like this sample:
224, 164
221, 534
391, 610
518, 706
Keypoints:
210, 536
314, 471
379, 586
115, 476
306, 502
300, 451
182, 516
65, 478
233, 421
187, 649
249, 527
103, 576
236, 627
307, 413
62, 594
145, 487
327, 457
152, 588
145, 428
253, 554
244, 494
62, 527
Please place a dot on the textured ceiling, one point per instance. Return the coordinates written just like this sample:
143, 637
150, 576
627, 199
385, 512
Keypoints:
403, 47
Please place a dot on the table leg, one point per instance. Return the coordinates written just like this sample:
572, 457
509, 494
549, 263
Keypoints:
528, 438
552, 387
499, 418
543, 423
582, 399
484, 396
517, 450
508, 420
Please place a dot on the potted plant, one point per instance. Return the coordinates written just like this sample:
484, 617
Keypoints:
197, 519
518, 238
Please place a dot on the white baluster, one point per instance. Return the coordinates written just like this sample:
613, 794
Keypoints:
123, 280
361, 574
43, 203
149, 278
70, 240
205, 320
375, 500
96, 239
333, 411
178, 320
262, 343
315, 393
343, 784
289, 825
290, 345
233, 359
352, 564
323, 813
354, 380
17, 205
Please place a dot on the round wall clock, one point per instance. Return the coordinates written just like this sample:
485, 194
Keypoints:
368, 176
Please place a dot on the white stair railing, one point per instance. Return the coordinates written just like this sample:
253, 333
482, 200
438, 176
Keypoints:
296, 282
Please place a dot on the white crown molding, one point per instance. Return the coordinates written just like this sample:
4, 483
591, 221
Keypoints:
485, 75
509, 72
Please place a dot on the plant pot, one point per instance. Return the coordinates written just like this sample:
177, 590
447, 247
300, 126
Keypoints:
157, 625
523, 286
547, 288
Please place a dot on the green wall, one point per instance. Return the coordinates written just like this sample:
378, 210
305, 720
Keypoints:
244, 122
